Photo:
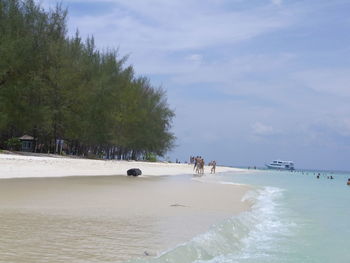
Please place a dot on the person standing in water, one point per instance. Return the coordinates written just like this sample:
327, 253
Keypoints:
195, 163
213, 163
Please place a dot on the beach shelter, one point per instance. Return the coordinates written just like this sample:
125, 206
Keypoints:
27, 143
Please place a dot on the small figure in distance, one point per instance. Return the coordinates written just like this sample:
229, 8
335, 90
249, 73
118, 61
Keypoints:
318, 176
331, 177
348, 182
213, 163
195, 163
200, 165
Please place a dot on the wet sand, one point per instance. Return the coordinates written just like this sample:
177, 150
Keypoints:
107, 218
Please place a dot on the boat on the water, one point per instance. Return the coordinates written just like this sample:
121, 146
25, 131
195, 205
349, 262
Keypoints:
281, 165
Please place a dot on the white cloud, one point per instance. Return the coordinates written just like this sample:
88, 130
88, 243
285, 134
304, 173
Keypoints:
335, 125
276, 2
261, 129
151, 30
329, 81
173, 25
196, 58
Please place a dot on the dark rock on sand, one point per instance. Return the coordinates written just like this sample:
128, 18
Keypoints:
134, 172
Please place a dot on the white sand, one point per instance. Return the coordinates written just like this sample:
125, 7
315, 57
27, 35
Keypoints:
20, 166
118, 215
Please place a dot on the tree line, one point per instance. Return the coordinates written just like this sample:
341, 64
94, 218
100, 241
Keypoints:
53, 87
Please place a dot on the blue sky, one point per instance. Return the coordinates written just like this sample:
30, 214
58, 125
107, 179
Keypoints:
250, 80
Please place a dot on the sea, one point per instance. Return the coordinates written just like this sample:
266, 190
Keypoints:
295, 217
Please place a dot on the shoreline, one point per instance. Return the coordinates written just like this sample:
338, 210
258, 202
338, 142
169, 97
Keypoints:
27, 166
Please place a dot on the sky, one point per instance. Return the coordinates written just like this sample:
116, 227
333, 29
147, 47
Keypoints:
250, 81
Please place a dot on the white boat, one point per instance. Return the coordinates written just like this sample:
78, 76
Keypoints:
281, 165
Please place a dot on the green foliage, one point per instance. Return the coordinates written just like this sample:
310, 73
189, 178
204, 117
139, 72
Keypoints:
56, 87
151, 157
13, 144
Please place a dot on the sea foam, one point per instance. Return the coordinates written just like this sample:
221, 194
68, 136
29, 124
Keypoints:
247, 237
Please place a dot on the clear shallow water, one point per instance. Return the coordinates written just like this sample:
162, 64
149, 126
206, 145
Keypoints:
295, 218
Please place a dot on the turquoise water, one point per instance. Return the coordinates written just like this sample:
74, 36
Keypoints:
295, 218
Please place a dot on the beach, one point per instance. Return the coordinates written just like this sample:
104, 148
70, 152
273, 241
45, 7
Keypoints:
23, 166
168, 214
78, 210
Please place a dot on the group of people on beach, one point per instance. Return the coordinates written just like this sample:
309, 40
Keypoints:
199, 164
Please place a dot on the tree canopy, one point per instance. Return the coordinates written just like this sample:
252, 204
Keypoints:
53, 86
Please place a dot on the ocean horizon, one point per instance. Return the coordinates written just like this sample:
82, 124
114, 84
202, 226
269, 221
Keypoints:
297, 169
